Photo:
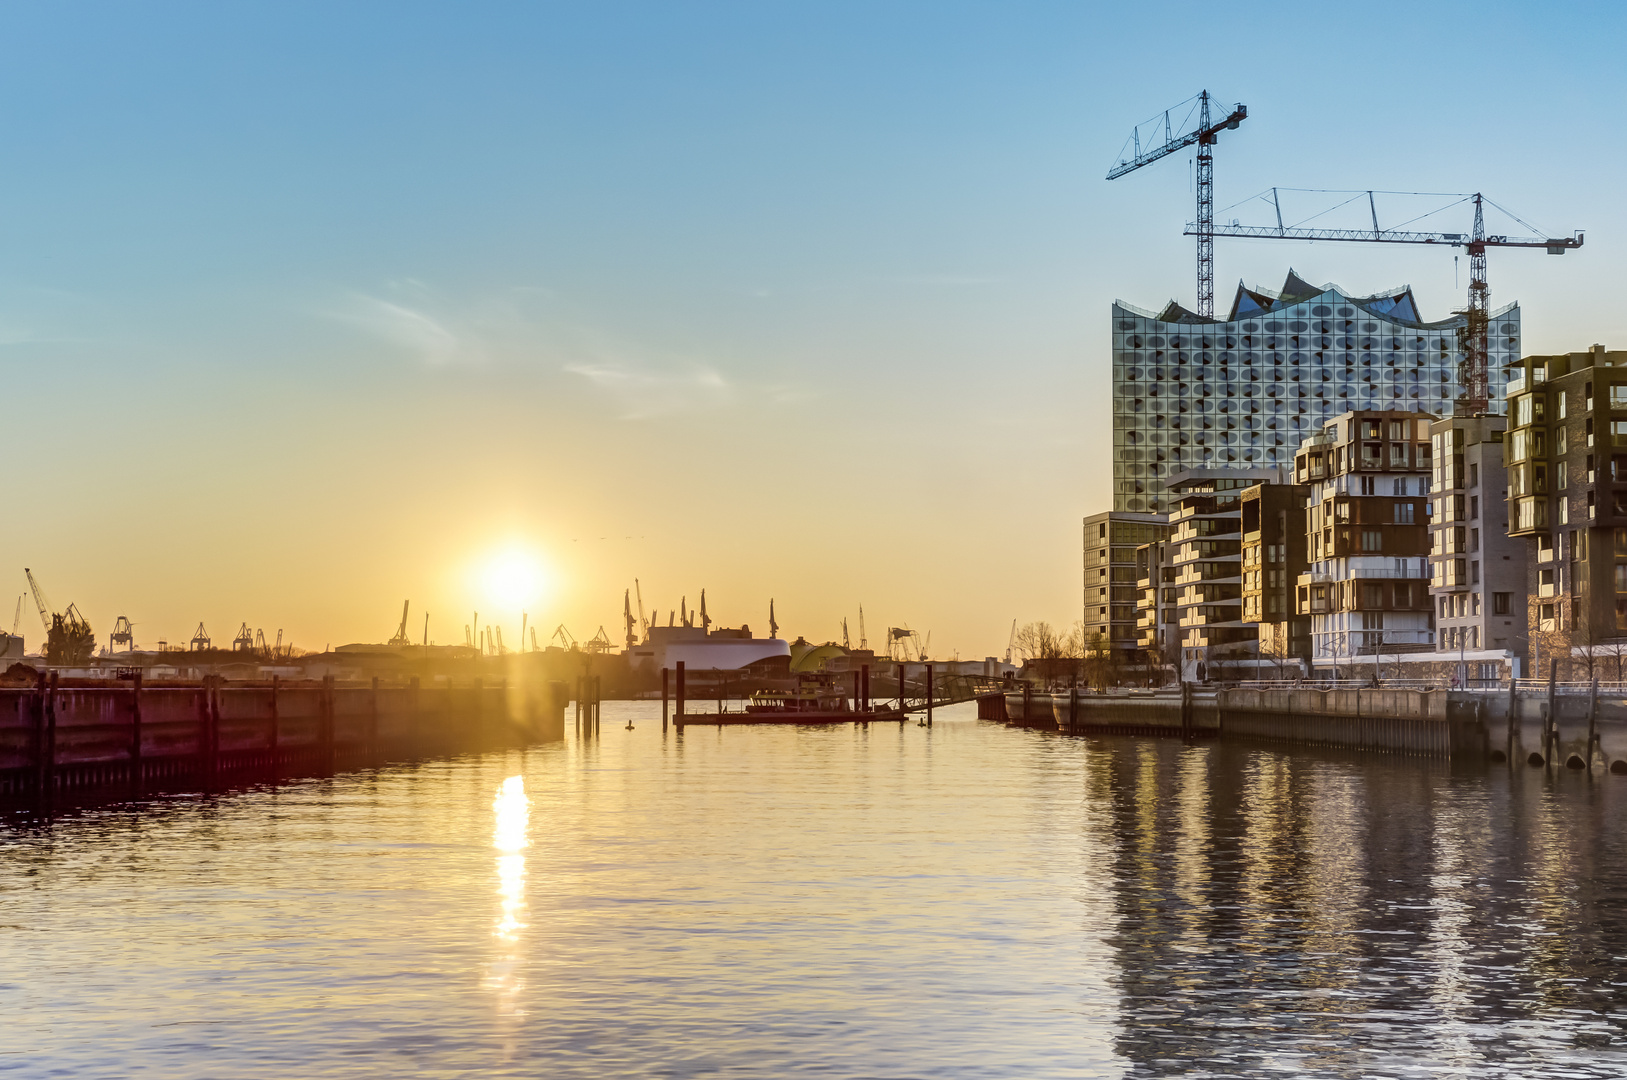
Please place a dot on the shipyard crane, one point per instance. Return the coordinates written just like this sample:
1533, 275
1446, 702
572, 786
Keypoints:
563, 636
845, 643
1474, 377
525, 617
260, 645
243, 641
39, 599
17, 616
706, 620
1203, 136
773, 627
200, 639
643, 623
123, 634
276, 650
863, 643
400, 637
1011, 642
627, 618
534, 646
598, 643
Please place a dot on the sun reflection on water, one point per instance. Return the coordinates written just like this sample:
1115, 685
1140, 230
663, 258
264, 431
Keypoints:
510, 836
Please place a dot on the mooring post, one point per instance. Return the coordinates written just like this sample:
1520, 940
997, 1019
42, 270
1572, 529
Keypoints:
663, 700
598, 696
678, 711
1186, 709
271, 743
864, 685
1513, 710
1028, 700
1073, 707
44, 735
211, 731
901, 713
1592, 719
856, 699
1550, 730
327, 723
929, 695
373, 724
414, 720
135, 732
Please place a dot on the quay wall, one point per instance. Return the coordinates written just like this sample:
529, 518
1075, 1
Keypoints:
57, 737
1574, 725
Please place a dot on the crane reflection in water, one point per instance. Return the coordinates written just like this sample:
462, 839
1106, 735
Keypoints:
510, 836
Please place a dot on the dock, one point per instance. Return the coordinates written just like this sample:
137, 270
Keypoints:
58, 736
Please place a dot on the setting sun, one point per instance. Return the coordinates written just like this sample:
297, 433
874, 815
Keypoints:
514, 579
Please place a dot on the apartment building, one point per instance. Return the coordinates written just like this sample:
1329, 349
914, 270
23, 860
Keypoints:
1478, 572
1566, 455
1110, 575
1366, 523
1274, 555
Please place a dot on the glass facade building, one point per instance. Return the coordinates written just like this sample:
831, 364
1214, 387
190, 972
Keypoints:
1190, 392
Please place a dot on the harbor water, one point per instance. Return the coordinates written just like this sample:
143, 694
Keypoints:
965, 900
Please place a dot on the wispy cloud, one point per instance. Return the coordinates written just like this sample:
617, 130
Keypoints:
425, 337
641, 392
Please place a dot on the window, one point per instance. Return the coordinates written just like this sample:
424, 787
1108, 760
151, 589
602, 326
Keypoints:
1621, 577
1560, 443
1404, 513
1372, 540
1474, 474
1499, 603
1372, 596
1474, 571
1618, 432
1369, 485
1519, 446
1101, 531
1474, 539
1561, 477
1618, 395
1563, 397
1522, 410
1474, 508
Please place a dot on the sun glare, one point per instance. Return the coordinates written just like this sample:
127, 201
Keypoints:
513, 580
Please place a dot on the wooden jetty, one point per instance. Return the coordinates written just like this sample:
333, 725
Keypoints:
58, 736
834, 704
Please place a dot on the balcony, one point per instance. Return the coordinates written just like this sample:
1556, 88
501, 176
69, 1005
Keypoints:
1517, 386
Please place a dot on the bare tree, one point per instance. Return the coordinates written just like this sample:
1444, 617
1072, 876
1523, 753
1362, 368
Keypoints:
1041, 645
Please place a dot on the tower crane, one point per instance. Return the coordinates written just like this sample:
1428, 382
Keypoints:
863, 643
1474, 378
845, 643
1203, 136
643, 623
17, 616
39, 599
627, 618
1011, 642
400, 637
773, 627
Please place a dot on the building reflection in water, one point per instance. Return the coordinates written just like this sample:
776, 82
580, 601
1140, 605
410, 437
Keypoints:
510, 836
1331, 914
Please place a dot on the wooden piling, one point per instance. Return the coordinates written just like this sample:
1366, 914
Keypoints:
678, 711
663, 700
274, 738
135, 734
327, 724
1550, 729
1592, 720
901, 712
864, 685
929, 695
373, 724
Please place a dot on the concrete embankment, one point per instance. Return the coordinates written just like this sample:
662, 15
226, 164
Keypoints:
1570, 725
56, 737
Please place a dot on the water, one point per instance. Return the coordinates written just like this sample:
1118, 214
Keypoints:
965, 901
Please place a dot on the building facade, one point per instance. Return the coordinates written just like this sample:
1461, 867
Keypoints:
1274, 555
1206, 542
1566, 454
1190, 392
1110, 576
1477, 571
1366, 524
1158, 627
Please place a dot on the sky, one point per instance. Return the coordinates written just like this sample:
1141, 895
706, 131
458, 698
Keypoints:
309, 309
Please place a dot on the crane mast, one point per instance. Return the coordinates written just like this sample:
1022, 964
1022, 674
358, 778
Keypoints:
1203, 136
39, 600
1474, 375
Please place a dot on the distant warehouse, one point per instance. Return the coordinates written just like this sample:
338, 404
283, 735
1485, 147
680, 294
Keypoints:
1190, 392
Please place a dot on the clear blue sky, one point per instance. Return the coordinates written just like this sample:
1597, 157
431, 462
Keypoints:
308, 308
